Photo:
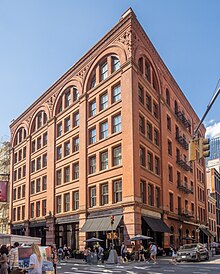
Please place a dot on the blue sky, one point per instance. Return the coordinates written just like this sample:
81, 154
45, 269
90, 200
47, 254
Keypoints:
41, 39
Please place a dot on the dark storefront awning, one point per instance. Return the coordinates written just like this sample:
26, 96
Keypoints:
37, 224
206, 231
156, 224
101, 224
15, 227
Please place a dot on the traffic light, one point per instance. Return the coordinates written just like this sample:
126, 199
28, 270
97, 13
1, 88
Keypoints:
112, 219
192, 150
204, 147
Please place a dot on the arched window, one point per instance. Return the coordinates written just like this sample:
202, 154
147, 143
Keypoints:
69, 96
39, 121
167, 97
20, 136
140, 65
115, 63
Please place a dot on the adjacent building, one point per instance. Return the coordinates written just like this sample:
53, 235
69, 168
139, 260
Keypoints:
110, 137
214, 149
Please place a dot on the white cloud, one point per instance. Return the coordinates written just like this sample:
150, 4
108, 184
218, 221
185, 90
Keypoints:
213, 131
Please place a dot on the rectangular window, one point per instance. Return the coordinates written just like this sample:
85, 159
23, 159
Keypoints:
14, 194
104, 71
117, 156
75, 200
23, 212
38, 185
67, 148
141, 124
104, 194
39, 142
33, 166
168, 123
19, 173
115, 64
45, 139
24, 152
170, 173
192, 208
75, 94
16, 157
59, 152
117, 185
76, 119
20, 155
24, 171
58, 177
104, 101
157, 165
18, 213
92, 108
14, 214
169, 147
149, 131
38, 209
44, 207
92, 196
104, 130
66, 202
155, 110
141, 94
33, 146
148, 103
38, 163
179, 206
142, 156
44, 160
44, 182
143, 191
23, 191
116, 93
15, 175
66, 174
150, 194
67, 124
157, 197
92, 164
59, 203
150, 161
32, 210
92, 135
104, 160
19, 192
75, 144
171, 201
75, 171
116, 123
32, 187
59, 129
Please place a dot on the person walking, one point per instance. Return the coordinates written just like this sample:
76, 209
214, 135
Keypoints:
13, 258
60, 254
54, 258
36, 261
124, 253
153, 253
174, 254
141, 253
101, 254
4, 260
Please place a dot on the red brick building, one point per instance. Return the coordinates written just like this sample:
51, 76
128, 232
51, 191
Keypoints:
110, 137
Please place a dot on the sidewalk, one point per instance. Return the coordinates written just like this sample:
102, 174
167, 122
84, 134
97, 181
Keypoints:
166, 259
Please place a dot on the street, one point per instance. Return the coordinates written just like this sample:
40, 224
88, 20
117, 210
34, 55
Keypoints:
163, 266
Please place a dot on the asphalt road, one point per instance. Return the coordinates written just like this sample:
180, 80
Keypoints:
162, 267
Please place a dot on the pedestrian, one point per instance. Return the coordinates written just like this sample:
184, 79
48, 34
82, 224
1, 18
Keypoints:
54, 258
174, 254
124, 252
60, 254
101, 254
141, 253
13, 258
36, 261
4, 260
85, 254
153, 253
66, 252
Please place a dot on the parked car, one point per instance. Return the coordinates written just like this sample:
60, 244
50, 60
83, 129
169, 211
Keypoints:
192, 252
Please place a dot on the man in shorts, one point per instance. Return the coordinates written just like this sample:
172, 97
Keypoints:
153, 253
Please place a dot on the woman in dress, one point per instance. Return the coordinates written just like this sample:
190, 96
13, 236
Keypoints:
4, 260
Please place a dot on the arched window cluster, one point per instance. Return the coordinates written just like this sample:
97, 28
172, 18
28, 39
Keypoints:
148, 72
20, 136
39, 121
69, 96
107, 66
